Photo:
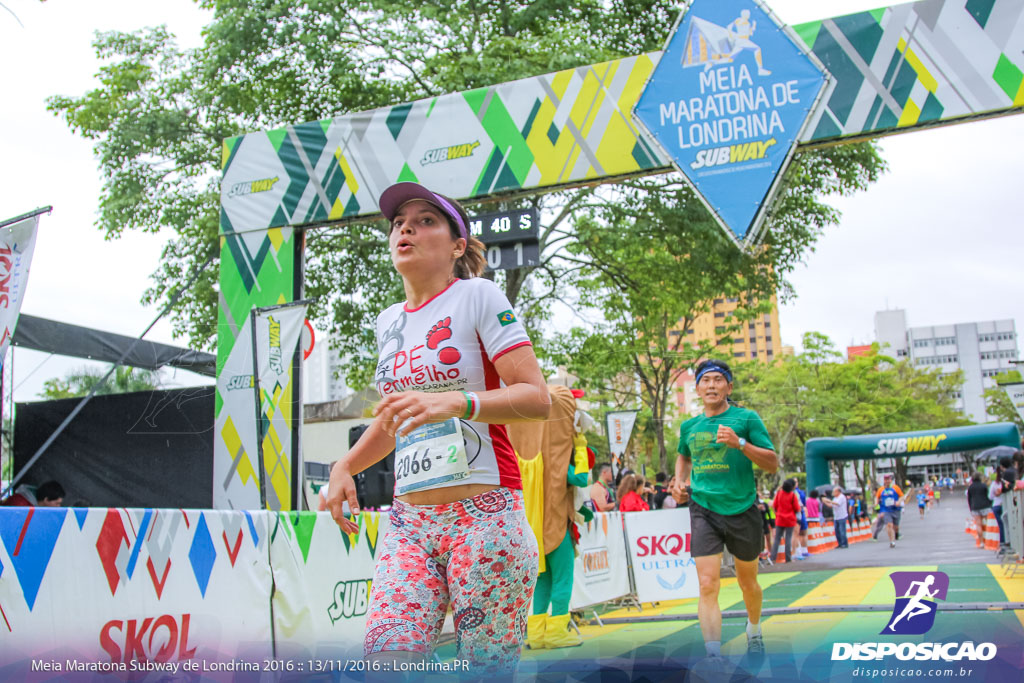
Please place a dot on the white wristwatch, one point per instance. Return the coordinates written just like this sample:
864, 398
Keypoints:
743, 442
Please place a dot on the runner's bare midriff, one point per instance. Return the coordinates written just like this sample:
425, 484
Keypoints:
448, 494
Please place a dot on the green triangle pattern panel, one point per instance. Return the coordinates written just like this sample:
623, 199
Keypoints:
506, 135
487, 139
257, 269
918, 63
892, 71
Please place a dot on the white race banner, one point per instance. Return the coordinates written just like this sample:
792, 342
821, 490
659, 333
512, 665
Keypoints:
17, 242
601, 571
1016, 393
620, 428
322, 580
132, 590
277, 336
236, 479
659, 545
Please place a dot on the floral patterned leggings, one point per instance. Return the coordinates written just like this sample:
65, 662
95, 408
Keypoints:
477, 554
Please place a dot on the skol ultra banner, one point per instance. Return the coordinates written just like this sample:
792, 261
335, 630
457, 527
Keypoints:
601, 569
277, 335
659, 545
323, 579
17, 242
134, 590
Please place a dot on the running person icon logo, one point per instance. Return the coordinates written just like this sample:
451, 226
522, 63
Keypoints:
915, 608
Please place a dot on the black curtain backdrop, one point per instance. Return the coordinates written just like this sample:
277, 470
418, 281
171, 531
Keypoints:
151, 449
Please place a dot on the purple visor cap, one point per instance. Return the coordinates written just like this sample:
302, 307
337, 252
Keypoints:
399, 194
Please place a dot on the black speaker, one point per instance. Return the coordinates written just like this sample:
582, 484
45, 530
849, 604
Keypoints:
375, 486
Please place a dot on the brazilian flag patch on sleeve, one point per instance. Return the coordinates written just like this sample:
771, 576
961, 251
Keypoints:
506, 317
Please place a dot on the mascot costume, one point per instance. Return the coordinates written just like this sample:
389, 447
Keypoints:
553, 460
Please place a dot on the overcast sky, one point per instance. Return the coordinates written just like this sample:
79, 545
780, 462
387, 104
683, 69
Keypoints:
939, 235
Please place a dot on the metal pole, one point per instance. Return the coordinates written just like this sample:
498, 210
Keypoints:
260, 465
30, 214
99, 385
813, 609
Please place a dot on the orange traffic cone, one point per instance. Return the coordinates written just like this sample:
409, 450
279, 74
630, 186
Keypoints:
991, 527
814, 538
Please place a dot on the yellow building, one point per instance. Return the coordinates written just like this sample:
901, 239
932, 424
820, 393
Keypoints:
758, 338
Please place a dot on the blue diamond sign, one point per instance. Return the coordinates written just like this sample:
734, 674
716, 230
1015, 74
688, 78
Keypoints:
727, 103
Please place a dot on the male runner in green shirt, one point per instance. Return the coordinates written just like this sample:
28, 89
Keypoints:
715, 469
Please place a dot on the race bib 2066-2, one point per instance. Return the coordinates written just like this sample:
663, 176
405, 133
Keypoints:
432, 456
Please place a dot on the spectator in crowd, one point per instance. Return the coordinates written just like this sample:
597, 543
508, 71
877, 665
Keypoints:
840, 513
980, 506
995, 494
49, 494
764, 505
814, 507
602, 498
660, 491
669, 502
1009, 478
787, 510
801, 538
631, 490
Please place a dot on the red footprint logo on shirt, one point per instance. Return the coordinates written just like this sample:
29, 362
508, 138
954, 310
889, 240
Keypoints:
438, 334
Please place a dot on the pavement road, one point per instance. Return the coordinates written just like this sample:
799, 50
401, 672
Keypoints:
939, 538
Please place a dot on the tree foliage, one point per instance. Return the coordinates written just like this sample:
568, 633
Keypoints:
159, 113
81, 382
817, 394
998, 404
652, 261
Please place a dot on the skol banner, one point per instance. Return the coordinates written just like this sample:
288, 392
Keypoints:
17, 242
323, 579
277, 335
132, 590
620, 428
601, 570
659, 546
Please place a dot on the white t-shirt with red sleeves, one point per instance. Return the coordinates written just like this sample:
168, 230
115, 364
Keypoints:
450, 343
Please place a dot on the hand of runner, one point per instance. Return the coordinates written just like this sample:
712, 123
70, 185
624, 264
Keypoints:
679, 492
727, 436
400, 414
341, 489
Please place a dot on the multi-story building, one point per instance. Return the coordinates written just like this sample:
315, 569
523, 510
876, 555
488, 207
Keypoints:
981, 350
320, 374
756, 339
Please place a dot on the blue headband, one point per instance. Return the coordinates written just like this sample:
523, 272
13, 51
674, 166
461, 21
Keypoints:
715, 367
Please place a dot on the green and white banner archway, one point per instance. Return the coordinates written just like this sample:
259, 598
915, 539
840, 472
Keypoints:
819, 452
891, 70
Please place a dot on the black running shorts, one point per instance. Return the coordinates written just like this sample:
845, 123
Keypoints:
741, 534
